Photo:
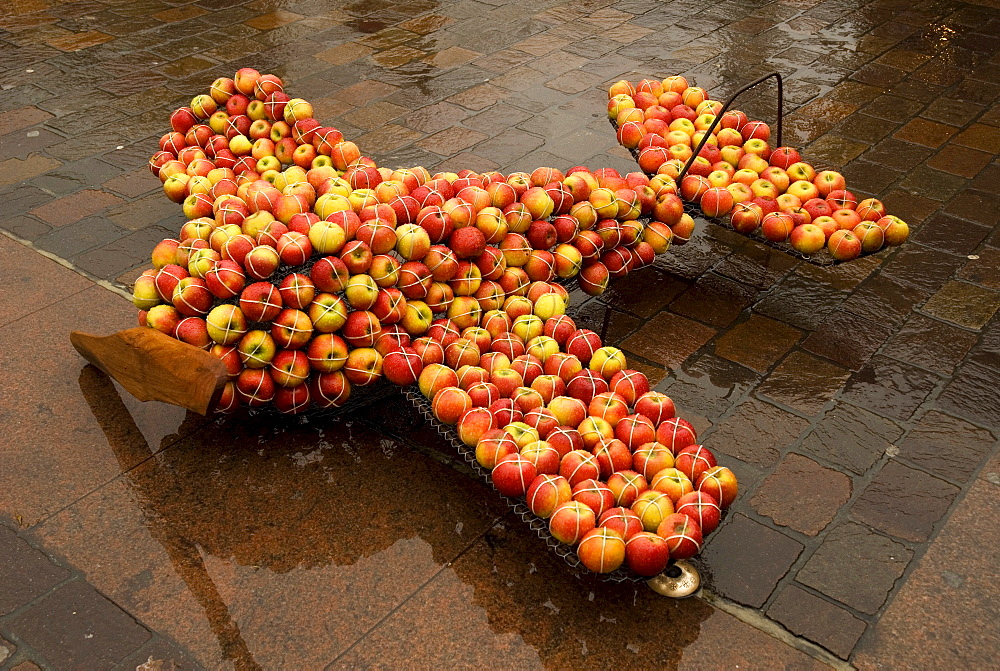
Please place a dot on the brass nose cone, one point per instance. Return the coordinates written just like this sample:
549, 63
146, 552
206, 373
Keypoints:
679, 581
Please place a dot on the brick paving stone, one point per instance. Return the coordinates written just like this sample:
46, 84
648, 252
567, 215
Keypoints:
807, 615
697, 256
893, 108
773, 430
653, 373
884, 300
78, 41
386, 138
960, 161
364, 92
804, 382
90, 172
503, 60
756, 265
981, 137
800, 130
450, 57
591, 316
400, 55
865, 128
70, 209
435, 117
427, 24
145, 211
574, 82
950, 111
922, 266
668, 339
15, 170
89, 144
520, 79
714, 299
976, 91
897, 155
113, 259
25, 573
945, 615
629, 293
25, 227
851, 437
22, 144
451, 141
843, 277
984, 270
133, 184
948, 446
864, 589
930, 343
75, 626
748, 559
709, 386
374, 115
479, 97
180, 14
869, 178
579, 148
928, 182
757, 343
26, 666
951, 234
889, 387
466, 161
14, 120
508, 146
847, 339
834, 152
975, 206
69, 241
911, 208
972, 393
903, 59
879, 74
272, 20
342, 54
904, 502
967, 305
802, 495
799, 302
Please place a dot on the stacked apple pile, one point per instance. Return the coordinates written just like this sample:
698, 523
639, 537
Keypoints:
582, 439
308, 270
738, 175
303, 263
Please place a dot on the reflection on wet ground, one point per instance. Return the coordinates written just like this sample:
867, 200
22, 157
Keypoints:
857, 403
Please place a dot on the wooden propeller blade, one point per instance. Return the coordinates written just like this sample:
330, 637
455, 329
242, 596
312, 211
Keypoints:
152, 366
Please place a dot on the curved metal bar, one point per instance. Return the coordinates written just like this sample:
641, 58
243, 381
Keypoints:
725, 108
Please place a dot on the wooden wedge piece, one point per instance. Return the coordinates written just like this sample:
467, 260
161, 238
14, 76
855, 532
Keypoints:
152, 366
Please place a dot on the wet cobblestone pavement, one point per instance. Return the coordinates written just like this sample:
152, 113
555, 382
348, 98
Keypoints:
857, 404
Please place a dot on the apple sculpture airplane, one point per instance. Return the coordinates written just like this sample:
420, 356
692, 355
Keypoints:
305, 273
